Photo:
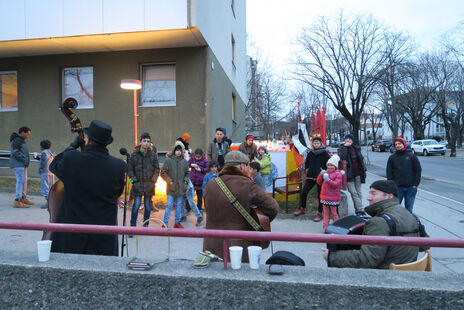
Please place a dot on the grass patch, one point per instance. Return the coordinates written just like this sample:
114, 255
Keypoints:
311, 203
10, 183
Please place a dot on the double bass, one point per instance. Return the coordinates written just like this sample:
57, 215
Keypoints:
55, 196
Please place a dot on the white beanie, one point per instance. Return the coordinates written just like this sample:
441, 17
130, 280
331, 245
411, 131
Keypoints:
334, 160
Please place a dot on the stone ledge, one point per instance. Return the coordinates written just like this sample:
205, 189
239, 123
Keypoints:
84, 281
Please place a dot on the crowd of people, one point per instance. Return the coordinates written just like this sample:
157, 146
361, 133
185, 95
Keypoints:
223, 180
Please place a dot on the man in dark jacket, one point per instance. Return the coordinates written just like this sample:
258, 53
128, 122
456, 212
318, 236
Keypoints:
355, 170
143, 170
404, 168
19, 161
218, 149
382, 200
316, 161
93, 181
223, 215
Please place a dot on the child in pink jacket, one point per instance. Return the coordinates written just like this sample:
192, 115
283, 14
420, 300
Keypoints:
331, 181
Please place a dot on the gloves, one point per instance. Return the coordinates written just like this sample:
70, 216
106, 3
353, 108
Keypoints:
323, 171
342, 172
77, 143
326, 177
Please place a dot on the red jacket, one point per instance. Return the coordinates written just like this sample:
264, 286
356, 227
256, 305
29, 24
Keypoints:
330, 190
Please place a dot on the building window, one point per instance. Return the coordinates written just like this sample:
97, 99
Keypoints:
233, 51
8, 91
78, 83
233, 107
159, 85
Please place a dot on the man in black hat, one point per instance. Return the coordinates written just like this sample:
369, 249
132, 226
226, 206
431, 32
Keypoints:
93, 181
383, 202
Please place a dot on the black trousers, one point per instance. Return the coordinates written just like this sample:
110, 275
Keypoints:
308, 185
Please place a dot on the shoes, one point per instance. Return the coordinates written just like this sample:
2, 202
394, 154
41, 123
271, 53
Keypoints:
26, 201
45, 206
178, 225
183, 218
19, 204
300, 211
199, 221
318, 218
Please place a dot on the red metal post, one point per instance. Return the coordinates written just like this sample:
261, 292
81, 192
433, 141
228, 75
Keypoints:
225, 249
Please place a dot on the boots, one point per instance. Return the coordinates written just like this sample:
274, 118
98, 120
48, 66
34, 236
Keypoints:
178, 225
318, 217
26, 201
299, 212
19, 204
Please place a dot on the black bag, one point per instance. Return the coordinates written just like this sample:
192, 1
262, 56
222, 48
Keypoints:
285, 258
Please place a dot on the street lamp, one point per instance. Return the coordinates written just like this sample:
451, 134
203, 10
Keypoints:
133, 84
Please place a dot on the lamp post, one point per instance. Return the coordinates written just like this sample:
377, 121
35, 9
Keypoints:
133, 84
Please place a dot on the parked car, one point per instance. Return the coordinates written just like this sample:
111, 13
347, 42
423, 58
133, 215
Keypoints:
381, 146
427, 147
444, 142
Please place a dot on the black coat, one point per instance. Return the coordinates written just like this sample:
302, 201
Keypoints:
404, 168
144, 171
345, 155
315, 161
93, 181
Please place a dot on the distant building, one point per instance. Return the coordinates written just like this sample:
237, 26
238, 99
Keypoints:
190, 56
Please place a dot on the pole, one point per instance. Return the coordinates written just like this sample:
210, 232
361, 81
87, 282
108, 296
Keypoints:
123, 236
135, 117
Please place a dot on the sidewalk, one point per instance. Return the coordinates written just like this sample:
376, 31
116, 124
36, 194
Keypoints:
154, 249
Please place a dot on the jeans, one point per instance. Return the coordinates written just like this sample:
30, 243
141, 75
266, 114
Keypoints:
179, 200
135, 209
354, 187
199, 193
21, 182
46, 181
191, 201
409, 194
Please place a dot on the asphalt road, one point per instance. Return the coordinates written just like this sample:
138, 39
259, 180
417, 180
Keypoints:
441, 175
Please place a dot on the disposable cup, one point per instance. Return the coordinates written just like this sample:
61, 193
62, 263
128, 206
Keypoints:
236, 256
254, 254
43, 249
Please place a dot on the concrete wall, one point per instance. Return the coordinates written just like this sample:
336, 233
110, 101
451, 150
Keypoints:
89, 282
39, 89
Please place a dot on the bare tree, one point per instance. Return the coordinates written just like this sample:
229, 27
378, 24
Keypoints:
372, 119
342, 59
398, 48
416, 89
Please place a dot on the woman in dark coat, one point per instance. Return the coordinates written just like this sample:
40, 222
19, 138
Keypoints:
93, 181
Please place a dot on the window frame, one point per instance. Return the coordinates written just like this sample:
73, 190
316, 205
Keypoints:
152, 64
234, 53
63, 97
12, 109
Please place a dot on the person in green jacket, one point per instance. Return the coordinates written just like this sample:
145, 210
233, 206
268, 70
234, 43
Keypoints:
264, 161
176, 173
382, 200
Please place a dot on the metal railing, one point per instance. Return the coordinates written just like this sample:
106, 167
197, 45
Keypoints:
237, 234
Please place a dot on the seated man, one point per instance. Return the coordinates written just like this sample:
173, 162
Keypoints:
223, 215
382, 200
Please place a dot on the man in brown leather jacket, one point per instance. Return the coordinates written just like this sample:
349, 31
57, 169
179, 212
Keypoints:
223, 215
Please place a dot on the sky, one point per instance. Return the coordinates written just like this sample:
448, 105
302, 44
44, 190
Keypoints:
273, 25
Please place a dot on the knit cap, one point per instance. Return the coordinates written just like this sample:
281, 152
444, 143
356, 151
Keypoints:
334, 160
400, 140
349, 136
386, 186
317, 139
186, 137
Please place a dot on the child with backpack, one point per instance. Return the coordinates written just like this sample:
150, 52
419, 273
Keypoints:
46, 177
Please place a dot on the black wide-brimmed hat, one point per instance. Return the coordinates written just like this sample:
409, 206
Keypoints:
99, 132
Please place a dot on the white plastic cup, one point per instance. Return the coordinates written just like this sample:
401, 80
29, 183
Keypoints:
236, 256
254, 254
43, 249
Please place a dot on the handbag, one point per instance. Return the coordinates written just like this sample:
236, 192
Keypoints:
256, 226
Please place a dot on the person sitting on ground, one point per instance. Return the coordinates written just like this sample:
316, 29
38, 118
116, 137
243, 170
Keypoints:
176, 173
223, 215
264, 160
330, 181
382, 200
315, 162
254, 171
46, 177
211, 175
249, 148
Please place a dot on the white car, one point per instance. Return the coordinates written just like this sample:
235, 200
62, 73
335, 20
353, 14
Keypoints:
428, 146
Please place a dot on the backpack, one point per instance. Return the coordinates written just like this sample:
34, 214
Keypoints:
393, 232
274, 174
